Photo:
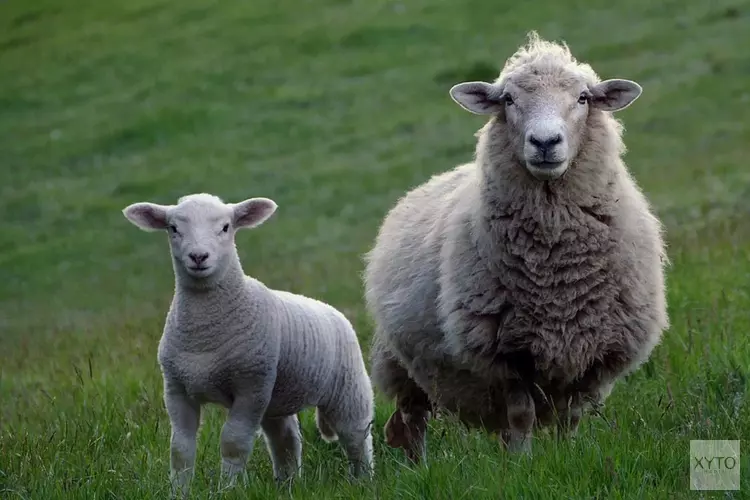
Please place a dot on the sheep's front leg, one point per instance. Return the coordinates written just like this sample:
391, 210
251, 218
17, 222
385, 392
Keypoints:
569, 417
521, 416
237, 439
184, 417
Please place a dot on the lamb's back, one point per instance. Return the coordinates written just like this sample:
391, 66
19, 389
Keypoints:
316, 342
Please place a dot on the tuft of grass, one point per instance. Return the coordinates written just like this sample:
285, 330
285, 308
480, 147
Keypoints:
334, 108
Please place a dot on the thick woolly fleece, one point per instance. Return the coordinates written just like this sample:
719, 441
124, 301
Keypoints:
484, 276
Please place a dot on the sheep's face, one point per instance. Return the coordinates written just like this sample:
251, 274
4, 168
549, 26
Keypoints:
201, 229
544, 116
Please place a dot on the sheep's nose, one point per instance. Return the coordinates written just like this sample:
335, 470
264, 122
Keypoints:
546, 143
198, 258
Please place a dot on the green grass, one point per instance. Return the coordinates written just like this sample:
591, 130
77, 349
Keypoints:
333, 109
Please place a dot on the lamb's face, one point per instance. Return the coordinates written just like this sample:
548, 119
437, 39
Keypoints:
544, 113
201, 235
201, 229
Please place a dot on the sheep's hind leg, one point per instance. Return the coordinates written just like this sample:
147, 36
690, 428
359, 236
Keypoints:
521, 416
407, 426
284, 444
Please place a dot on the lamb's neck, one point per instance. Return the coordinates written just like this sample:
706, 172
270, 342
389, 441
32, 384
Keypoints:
213, 312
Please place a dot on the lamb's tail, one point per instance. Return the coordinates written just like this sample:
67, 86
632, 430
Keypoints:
326, 431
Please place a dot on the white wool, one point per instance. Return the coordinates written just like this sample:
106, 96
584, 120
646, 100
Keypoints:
264, 354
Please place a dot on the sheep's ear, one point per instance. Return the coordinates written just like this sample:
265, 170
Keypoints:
253, 212
147, 216
480, 98
614, 95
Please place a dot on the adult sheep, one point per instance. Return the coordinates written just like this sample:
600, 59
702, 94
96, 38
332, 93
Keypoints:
521, 286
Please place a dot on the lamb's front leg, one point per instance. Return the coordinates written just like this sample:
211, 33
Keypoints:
238, 437
184, 417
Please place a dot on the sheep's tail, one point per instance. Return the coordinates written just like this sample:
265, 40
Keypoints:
326, 431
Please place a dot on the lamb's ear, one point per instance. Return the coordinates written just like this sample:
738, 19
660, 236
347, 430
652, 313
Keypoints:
614, 95
253, 212
480, 98
147, 216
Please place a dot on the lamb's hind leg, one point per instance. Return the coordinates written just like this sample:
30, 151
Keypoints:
357, 443
521, 416
284, 444
407, 426
349, 420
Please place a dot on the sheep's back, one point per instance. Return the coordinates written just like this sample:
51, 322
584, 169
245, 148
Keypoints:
401, 275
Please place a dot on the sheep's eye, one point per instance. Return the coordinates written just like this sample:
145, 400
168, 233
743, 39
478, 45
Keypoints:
583, 98
225, 228
173, 229
508, 100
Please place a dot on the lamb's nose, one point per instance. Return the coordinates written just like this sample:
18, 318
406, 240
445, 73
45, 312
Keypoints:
198, 258
546, 143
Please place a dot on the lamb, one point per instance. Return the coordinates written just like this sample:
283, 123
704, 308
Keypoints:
515, 290
261, 353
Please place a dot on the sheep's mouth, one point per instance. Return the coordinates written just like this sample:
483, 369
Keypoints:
547, 170
546, 165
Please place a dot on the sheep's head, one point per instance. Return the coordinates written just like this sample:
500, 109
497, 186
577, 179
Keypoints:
201, 229
542, 101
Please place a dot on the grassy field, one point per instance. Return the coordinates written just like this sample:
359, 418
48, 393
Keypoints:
334, 108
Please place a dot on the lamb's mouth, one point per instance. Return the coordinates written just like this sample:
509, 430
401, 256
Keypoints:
198, 269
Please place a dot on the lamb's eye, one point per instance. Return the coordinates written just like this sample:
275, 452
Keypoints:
173, 229
225, 228
508, 100
583, 98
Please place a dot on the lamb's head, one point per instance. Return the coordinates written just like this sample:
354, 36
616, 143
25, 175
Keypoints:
541, 104
201, 229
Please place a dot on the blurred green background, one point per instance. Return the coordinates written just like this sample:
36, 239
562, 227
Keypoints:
334, 109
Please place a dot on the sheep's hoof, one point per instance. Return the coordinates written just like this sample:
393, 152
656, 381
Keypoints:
410, 437
567, 425
516, 442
